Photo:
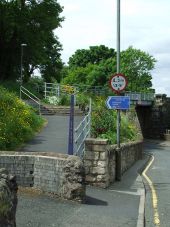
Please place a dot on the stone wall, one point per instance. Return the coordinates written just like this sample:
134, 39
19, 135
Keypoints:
96, 162
62, 175
8, 199
101, 163
130, 153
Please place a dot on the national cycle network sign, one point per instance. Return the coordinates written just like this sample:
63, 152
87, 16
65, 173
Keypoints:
118, 102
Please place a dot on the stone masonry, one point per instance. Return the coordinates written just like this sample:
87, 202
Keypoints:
8, 199
96, 162
61, 175
100, 160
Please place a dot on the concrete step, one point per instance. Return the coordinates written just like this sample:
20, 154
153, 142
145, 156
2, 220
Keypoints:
47, 109
59, 110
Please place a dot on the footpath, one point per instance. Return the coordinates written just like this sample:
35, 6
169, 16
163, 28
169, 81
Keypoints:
120, 205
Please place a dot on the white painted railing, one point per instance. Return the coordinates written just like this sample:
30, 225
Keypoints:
81, 133
31, 96
52, 89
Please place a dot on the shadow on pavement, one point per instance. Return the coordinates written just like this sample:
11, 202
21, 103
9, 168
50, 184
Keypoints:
92, 201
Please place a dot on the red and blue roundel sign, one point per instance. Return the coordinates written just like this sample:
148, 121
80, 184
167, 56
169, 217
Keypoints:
118, 82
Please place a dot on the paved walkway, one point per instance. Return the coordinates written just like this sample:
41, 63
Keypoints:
121, 205
54, 137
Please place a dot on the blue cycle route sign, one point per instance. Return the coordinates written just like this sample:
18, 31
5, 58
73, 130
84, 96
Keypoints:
118, 102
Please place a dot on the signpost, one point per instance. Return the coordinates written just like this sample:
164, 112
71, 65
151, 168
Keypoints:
118, 83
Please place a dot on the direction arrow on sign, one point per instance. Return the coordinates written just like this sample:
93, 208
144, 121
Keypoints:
118, 102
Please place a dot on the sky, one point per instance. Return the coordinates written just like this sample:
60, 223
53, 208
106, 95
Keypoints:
145, 25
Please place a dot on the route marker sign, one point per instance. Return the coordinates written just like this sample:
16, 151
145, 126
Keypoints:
118, 82
118, 102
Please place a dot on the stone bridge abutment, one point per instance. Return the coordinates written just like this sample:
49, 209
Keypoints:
155, 119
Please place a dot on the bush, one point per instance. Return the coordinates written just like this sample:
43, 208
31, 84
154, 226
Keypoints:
53, 100
82, 101
18, 122
64, 100
36, 86
104, 123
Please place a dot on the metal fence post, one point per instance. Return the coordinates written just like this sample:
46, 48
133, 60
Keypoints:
45, 90
71, 127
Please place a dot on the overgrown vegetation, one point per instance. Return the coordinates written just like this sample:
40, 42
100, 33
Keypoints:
104, 124
18, 122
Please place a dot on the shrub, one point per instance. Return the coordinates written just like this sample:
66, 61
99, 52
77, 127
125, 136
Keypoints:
64, 100
53, 100
36, 86
18, 122
104, 123
82, 101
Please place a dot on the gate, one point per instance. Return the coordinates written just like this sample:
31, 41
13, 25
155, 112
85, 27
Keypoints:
81, 133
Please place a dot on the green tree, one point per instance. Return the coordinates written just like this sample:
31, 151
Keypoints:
78, 75
93, 55
31, 22
136, 65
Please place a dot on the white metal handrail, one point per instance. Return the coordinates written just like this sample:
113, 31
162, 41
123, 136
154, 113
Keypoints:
54, 89
30, 95
51, 89
81, 133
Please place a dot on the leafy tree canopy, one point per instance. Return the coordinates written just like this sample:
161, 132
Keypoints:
93, 55
31, 22
136, 65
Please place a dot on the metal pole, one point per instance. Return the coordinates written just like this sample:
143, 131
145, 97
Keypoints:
118, 153
21, 64
22, 53
45, 90
118, 67
71, 128
118, 36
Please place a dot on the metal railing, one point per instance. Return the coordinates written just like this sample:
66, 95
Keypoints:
81, 133
135, 96
52, 89
31, 96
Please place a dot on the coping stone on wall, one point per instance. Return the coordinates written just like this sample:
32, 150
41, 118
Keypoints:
55, 173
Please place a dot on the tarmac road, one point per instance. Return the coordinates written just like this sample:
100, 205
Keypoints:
157, 208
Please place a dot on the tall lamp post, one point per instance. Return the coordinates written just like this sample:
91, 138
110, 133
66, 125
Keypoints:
22, 53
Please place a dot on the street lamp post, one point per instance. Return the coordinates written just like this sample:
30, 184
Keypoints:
22, 53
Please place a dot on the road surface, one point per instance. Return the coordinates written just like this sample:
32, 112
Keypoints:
157, 183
